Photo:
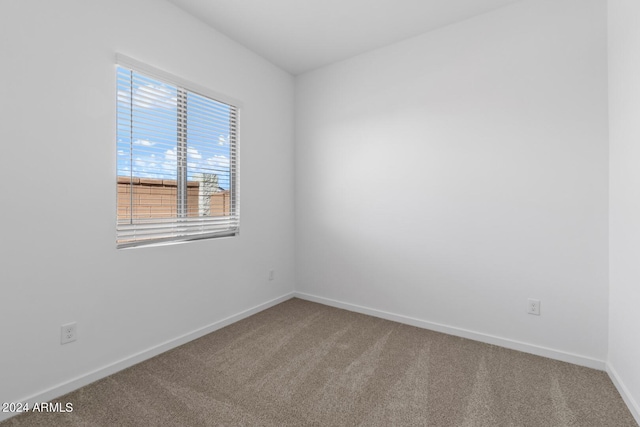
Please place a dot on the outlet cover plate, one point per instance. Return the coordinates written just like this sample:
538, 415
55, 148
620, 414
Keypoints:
533, 306
68, 333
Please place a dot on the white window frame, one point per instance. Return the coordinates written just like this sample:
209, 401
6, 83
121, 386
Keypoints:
234, 224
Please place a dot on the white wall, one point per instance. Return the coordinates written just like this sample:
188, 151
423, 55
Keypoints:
57, 109
447, 178
452, 176
624, 225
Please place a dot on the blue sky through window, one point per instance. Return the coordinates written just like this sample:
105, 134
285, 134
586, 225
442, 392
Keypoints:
147, 131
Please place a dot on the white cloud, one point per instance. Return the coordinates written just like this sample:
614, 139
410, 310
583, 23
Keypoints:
170, 162
192, 153
164, 165
154, 96
150, 96
218, 162
144, 142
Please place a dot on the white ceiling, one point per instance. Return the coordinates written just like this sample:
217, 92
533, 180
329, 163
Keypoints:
300, 35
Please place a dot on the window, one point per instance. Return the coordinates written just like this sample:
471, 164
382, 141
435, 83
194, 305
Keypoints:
177, 161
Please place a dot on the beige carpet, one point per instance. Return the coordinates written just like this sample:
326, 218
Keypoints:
305, 364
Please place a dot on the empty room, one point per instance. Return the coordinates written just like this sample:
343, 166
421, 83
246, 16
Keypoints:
376, 213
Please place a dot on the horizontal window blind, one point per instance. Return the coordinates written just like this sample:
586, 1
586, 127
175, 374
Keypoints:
177, 161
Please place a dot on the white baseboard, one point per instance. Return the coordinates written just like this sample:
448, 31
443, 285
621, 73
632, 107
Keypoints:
88, 378
633, 406
460, 332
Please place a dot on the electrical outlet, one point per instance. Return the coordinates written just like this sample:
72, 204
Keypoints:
272, 274
68, 333
533, 307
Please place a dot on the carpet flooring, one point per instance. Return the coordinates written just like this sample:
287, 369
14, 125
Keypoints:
306, 364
